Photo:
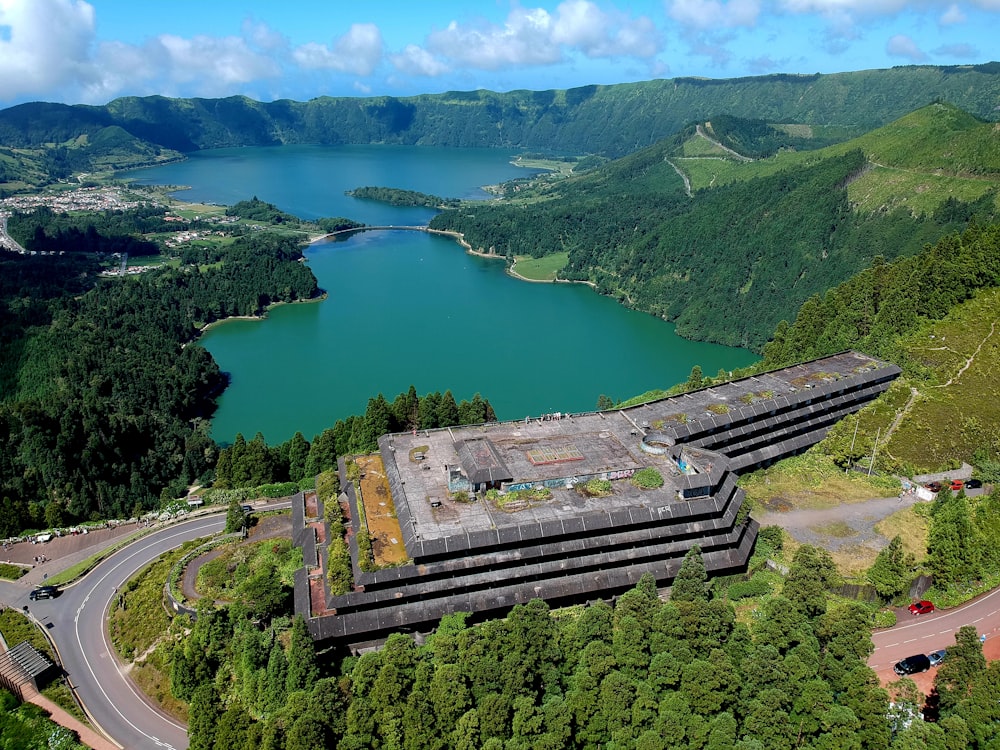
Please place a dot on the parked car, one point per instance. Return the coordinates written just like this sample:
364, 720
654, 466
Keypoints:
43, 592
247, 509
923, 607
973, 484
957, 485
937, 657
912, 665
933, 486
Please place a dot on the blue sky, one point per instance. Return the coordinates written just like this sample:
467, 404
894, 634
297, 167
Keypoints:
75, 51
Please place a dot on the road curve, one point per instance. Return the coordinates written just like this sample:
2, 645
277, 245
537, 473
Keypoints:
922, 634
76, 622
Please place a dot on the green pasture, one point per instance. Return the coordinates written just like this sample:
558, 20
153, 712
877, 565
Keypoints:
540, 269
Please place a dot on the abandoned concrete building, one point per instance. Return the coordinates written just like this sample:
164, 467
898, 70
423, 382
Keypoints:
476, 539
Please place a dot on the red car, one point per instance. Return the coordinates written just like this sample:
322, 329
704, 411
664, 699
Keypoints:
923, 607
957, 485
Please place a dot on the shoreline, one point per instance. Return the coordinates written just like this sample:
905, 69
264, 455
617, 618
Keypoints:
214, 323
460, 239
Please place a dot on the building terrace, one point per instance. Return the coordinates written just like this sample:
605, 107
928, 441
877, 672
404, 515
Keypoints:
471, 552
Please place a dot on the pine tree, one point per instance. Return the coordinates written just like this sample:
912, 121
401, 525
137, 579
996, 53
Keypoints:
235, 518
447, 411
203, 717
889, 574
302, 668
690, 584
298, 455
695, 379
958, 673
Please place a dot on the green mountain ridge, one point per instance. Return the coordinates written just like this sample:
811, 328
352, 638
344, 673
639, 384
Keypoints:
919, 161
609, 119
730, 261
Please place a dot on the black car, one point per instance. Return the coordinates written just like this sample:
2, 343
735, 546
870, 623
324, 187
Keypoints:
43, 592
973, 484
912, 665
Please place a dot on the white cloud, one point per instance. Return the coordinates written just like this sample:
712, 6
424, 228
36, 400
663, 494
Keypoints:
262, 36
583, 25
901, 45
216, 62
714, 14
359, 51
533, 36
960, 51
45, 45
836, 7
524, 39
416, 61
952, 16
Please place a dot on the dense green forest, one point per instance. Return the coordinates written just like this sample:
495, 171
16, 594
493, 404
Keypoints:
726, 265
106, 398
874, 309
639, 673
45, 230
611, 120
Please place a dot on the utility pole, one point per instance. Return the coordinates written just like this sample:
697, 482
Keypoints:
850, 456
874, 449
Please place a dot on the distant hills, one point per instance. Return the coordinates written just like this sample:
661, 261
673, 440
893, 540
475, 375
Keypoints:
727, 246
609, 120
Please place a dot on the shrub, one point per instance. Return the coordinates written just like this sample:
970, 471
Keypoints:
594, 488
756, 586
647, 479
282, 489
365, 561
460, 497
327, 485
772, 536
339, 567
883, 618
502, 500
11, 572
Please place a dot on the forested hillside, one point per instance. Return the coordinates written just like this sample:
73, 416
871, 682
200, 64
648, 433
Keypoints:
727, 263
610, 120
105, 399
640, 674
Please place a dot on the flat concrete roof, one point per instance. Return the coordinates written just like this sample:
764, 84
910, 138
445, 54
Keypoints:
613, 448
559, 446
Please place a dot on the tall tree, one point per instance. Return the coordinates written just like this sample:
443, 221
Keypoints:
298, 455
303, 670
960, 670
889, 574
690, 584
811, 574
203, 717
447, 412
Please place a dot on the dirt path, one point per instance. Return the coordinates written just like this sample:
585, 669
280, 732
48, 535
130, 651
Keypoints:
847, 525
687, 182
710, 139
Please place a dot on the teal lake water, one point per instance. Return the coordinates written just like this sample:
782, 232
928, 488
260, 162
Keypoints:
411, 308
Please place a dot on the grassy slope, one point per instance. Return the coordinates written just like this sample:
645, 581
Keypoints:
940, 421
932, 154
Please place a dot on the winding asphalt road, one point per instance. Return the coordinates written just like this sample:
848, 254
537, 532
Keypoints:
922, 634
76, 622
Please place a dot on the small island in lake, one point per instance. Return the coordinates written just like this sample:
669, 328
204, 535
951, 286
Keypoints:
399, 197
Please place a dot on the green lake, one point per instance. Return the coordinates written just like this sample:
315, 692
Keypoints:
408, 308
